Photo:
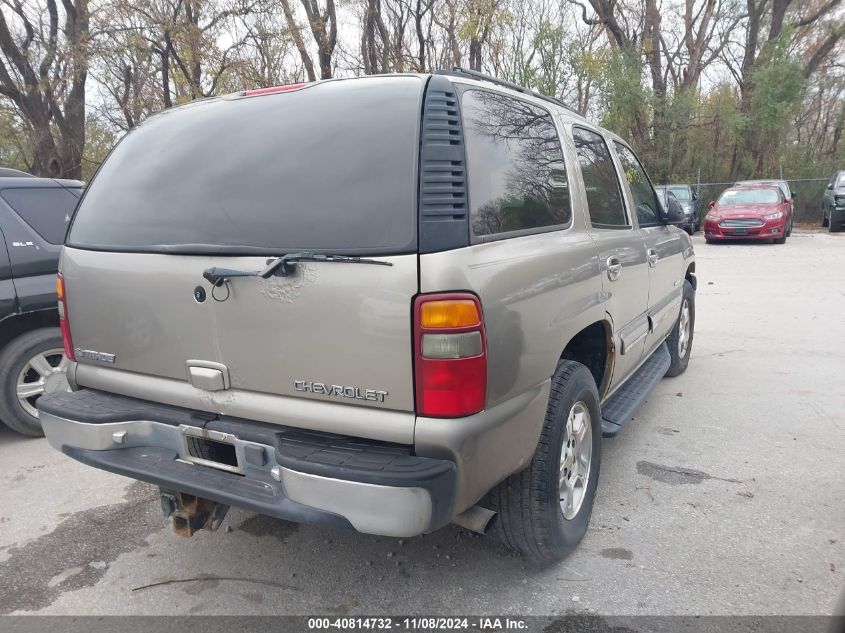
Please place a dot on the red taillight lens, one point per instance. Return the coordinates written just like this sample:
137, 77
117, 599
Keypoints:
64, 318
450, 351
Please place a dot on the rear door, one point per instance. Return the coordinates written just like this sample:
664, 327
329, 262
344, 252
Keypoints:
622, 253
233, 183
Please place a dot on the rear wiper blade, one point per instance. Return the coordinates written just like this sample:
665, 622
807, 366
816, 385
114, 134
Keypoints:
284, 266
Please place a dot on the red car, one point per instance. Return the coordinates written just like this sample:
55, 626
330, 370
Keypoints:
754, 212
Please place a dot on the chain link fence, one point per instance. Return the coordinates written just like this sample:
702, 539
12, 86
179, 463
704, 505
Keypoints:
808, 196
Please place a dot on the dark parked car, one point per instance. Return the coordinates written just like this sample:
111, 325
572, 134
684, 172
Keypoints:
34, 215
833, 203
690, 203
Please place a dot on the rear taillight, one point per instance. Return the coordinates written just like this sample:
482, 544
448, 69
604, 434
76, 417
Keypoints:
450, 352
64, 317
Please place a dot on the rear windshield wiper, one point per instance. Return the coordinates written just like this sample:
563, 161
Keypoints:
284, 266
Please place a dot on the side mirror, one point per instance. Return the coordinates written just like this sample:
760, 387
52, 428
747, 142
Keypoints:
694, 196
711, 204
794, 195
830, 185
672, 212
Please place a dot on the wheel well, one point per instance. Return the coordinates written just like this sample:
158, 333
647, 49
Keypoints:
13, 326
690, 276
592, 347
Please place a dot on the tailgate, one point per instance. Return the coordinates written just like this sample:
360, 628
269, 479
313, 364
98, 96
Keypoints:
332, 332
328, 168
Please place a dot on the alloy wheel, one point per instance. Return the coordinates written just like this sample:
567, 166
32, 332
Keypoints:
46, 372
684, 330
575, 457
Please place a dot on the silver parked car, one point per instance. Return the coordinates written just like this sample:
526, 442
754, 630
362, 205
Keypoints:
386, 303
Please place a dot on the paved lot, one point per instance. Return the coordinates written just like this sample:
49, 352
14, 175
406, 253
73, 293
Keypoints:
725, 496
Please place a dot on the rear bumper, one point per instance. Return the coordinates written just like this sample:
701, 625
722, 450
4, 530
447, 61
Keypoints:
373, 487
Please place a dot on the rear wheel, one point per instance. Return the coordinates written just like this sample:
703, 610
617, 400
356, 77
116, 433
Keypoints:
31, 365
680, 339
544, 511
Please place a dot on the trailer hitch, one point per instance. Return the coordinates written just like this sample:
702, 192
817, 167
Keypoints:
191, 514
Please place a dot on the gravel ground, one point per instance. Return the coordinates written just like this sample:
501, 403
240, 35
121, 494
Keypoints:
724, 496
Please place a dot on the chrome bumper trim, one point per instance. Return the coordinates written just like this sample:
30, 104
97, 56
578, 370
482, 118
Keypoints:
370, 508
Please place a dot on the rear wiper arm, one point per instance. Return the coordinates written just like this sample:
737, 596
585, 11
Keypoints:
284, 266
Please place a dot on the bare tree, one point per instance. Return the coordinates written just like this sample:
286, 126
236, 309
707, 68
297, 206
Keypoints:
323, 25
43, 72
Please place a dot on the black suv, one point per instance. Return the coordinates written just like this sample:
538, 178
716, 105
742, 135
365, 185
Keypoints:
833, 203
34, 215
690, 203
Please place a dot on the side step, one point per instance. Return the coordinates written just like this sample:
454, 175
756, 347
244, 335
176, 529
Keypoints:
623, 404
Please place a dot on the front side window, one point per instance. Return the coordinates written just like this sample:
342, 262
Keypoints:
517, 174
604, 197
645, 200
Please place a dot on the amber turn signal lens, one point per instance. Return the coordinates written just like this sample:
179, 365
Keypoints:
450, 313
60, 288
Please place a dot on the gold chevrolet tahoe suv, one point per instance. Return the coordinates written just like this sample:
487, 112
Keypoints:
385, 303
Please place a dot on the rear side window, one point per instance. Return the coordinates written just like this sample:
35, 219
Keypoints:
46, 210
517, 175
604, 197
328, 168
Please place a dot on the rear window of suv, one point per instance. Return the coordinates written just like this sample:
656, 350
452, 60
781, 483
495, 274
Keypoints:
331, 168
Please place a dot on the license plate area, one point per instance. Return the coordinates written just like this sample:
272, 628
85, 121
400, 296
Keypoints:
210, 448
740, 231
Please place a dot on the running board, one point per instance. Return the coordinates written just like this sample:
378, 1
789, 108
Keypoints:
623, 404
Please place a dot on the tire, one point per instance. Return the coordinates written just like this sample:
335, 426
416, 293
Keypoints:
711, 241
530, 515
780, 240
680, 357
14, 360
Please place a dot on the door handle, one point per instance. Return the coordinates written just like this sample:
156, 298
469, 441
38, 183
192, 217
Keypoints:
652, 257
614, 268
